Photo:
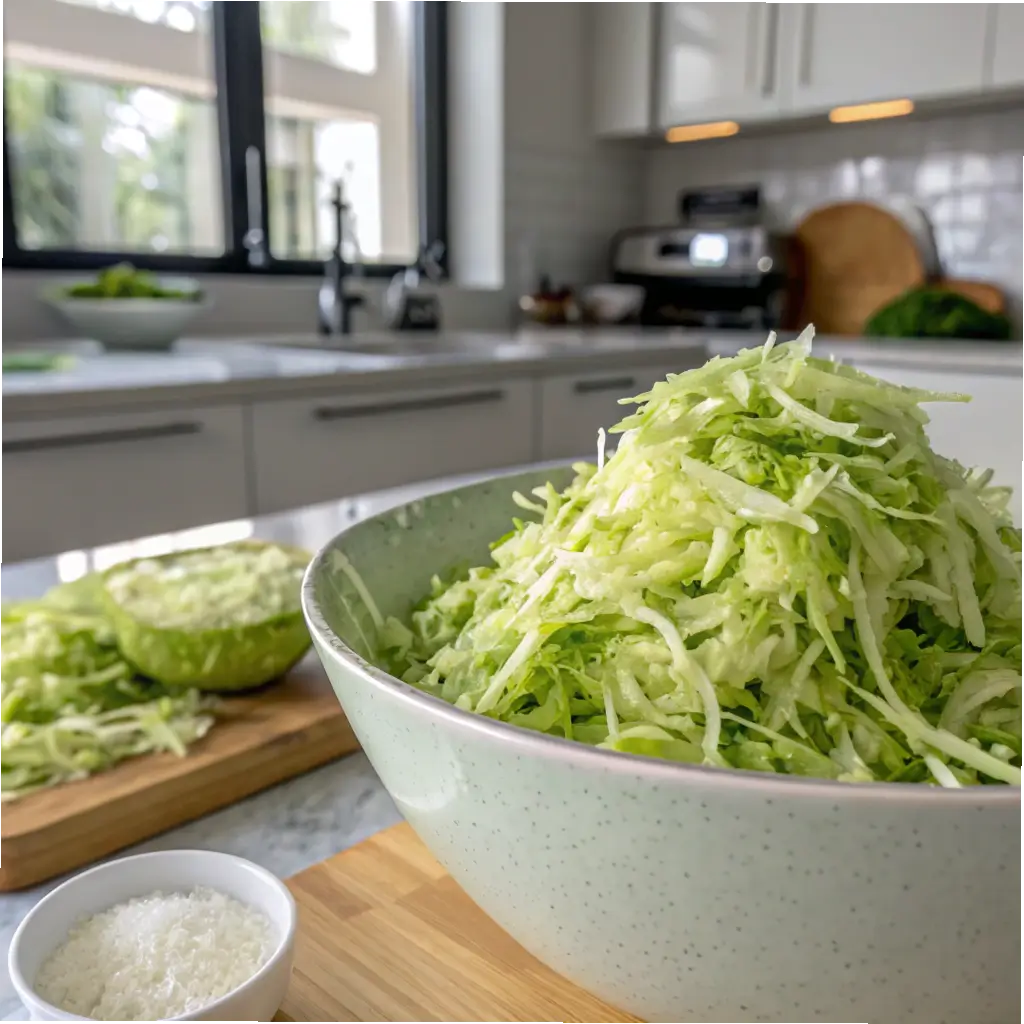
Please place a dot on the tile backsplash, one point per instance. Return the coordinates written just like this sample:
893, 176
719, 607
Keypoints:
964, 171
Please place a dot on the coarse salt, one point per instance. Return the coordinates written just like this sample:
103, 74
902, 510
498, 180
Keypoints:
156, 956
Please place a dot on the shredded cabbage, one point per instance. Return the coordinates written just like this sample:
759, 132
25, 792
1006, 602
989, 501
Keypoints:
773, 571
71, 705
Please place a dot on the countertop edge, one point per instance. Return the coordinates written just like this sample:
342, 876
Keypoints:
1006, 358
412, 374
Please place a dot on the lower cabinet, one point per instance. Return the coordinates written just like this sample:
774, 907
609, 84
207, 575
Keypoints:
84, 481
310, 450
573, 408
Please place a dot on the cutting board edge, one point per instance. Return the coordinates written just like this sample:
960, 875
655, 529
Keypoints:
32, 866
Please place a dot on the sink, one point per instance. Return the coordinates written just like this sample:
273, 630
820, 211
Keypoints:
412, 345
394, 346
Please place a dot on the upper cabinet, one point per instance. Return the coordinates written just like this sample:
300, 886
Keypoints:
838, 54
660, 65
717, 61
1007, 46
623, 68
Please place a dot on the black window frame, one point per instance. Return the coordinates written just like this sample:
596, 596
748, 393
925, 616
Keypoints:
238, 68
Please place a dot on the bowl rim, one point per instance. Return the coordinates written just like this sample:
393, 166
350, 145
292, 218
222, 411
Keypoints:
34, 1002
201, 301
582, 754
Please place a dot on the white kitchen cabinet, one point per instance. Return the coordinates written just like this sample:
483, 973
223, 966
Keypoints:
573, 408
83, 481
1007, 45
985, 432
622, 68
717, 61
309, 450
839, 54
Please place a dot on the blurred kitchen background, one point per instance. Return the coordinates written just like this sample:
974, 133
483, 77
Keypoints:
491, 219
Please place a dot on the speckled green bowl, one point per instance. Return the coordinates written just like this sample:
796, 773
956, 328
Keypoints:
677, 892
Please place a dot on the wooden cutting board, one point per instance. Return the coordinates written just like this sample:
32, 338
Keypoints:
385, 934
261, 739
855, 258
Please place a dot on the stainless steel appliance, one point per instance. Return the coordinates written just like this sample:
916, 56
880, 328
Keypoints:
723, 267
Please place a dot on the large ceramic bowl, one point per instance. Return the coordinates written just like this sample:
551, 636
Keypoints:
676, 892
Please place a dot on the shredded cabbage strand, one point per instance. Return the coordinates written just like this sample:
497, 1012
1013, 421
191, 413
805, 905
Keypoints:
773, 571
71, 705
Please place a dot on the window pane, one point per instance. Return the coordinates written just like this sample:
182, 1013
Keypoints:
183, 15
326, 124
339, 32
305, 159
111, 125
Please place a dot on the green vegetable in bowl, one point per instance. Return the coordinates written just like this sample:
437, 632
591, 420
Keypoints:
125, 282
773, 572
71, 704
936, 313
224, 618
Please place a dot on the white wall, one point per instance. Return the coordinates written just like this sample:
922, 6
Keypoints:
565, 193
562, 194
964, 170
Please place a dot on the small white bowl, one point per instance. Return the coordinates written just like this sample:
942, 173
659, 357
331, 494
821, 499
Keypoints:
47, 925
613, 303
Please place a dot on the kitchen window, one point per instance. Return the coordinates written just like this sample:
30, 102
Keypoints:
208, 136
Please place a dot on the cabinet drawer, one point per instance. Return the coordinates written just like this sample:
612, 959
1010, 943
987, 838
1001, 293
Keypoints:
312, 450
80, 482
574, 408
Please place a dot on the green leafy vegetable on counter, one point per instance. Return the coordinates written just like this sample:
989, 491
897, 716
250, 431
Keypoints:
71, 704
773, 572
125, 282
36, 362
936, 313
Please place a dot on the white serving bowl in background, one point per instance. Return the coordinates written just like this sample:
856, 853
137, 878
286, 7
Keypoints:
130, 324
47, 925
612, 303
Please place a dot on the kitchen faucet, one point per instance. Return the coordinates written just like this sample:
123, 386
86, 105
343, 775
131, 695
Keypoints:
334, 305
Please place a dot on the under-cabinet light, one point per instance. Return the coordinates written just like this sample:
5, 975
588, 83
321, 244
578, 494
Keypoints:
871, 111
695, 132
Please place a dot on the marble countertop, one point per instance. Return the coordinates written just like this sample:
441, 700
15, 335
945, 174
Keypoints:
203, 370
286, 828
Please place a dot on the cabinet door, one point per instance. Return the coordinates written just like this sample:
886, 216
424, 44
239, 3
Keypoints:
985, 432
622, 68
84, 481
319, 449
717, 61
1008, 46
574, 408
837, 54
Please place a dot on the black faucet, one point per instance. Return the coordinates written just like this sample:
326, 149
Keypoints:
334, 306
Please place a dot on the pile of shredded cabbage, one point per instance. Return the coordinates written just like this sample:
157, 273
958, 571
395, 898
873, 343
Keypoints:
70, 705
772, 572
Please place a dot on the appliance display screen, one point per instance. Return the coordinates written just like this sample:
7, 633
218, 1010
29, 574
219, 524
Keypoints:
708, 250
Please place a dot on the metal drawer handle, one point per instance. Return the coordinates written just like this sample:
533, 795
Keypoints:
588, 387
38, 444
351, 412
